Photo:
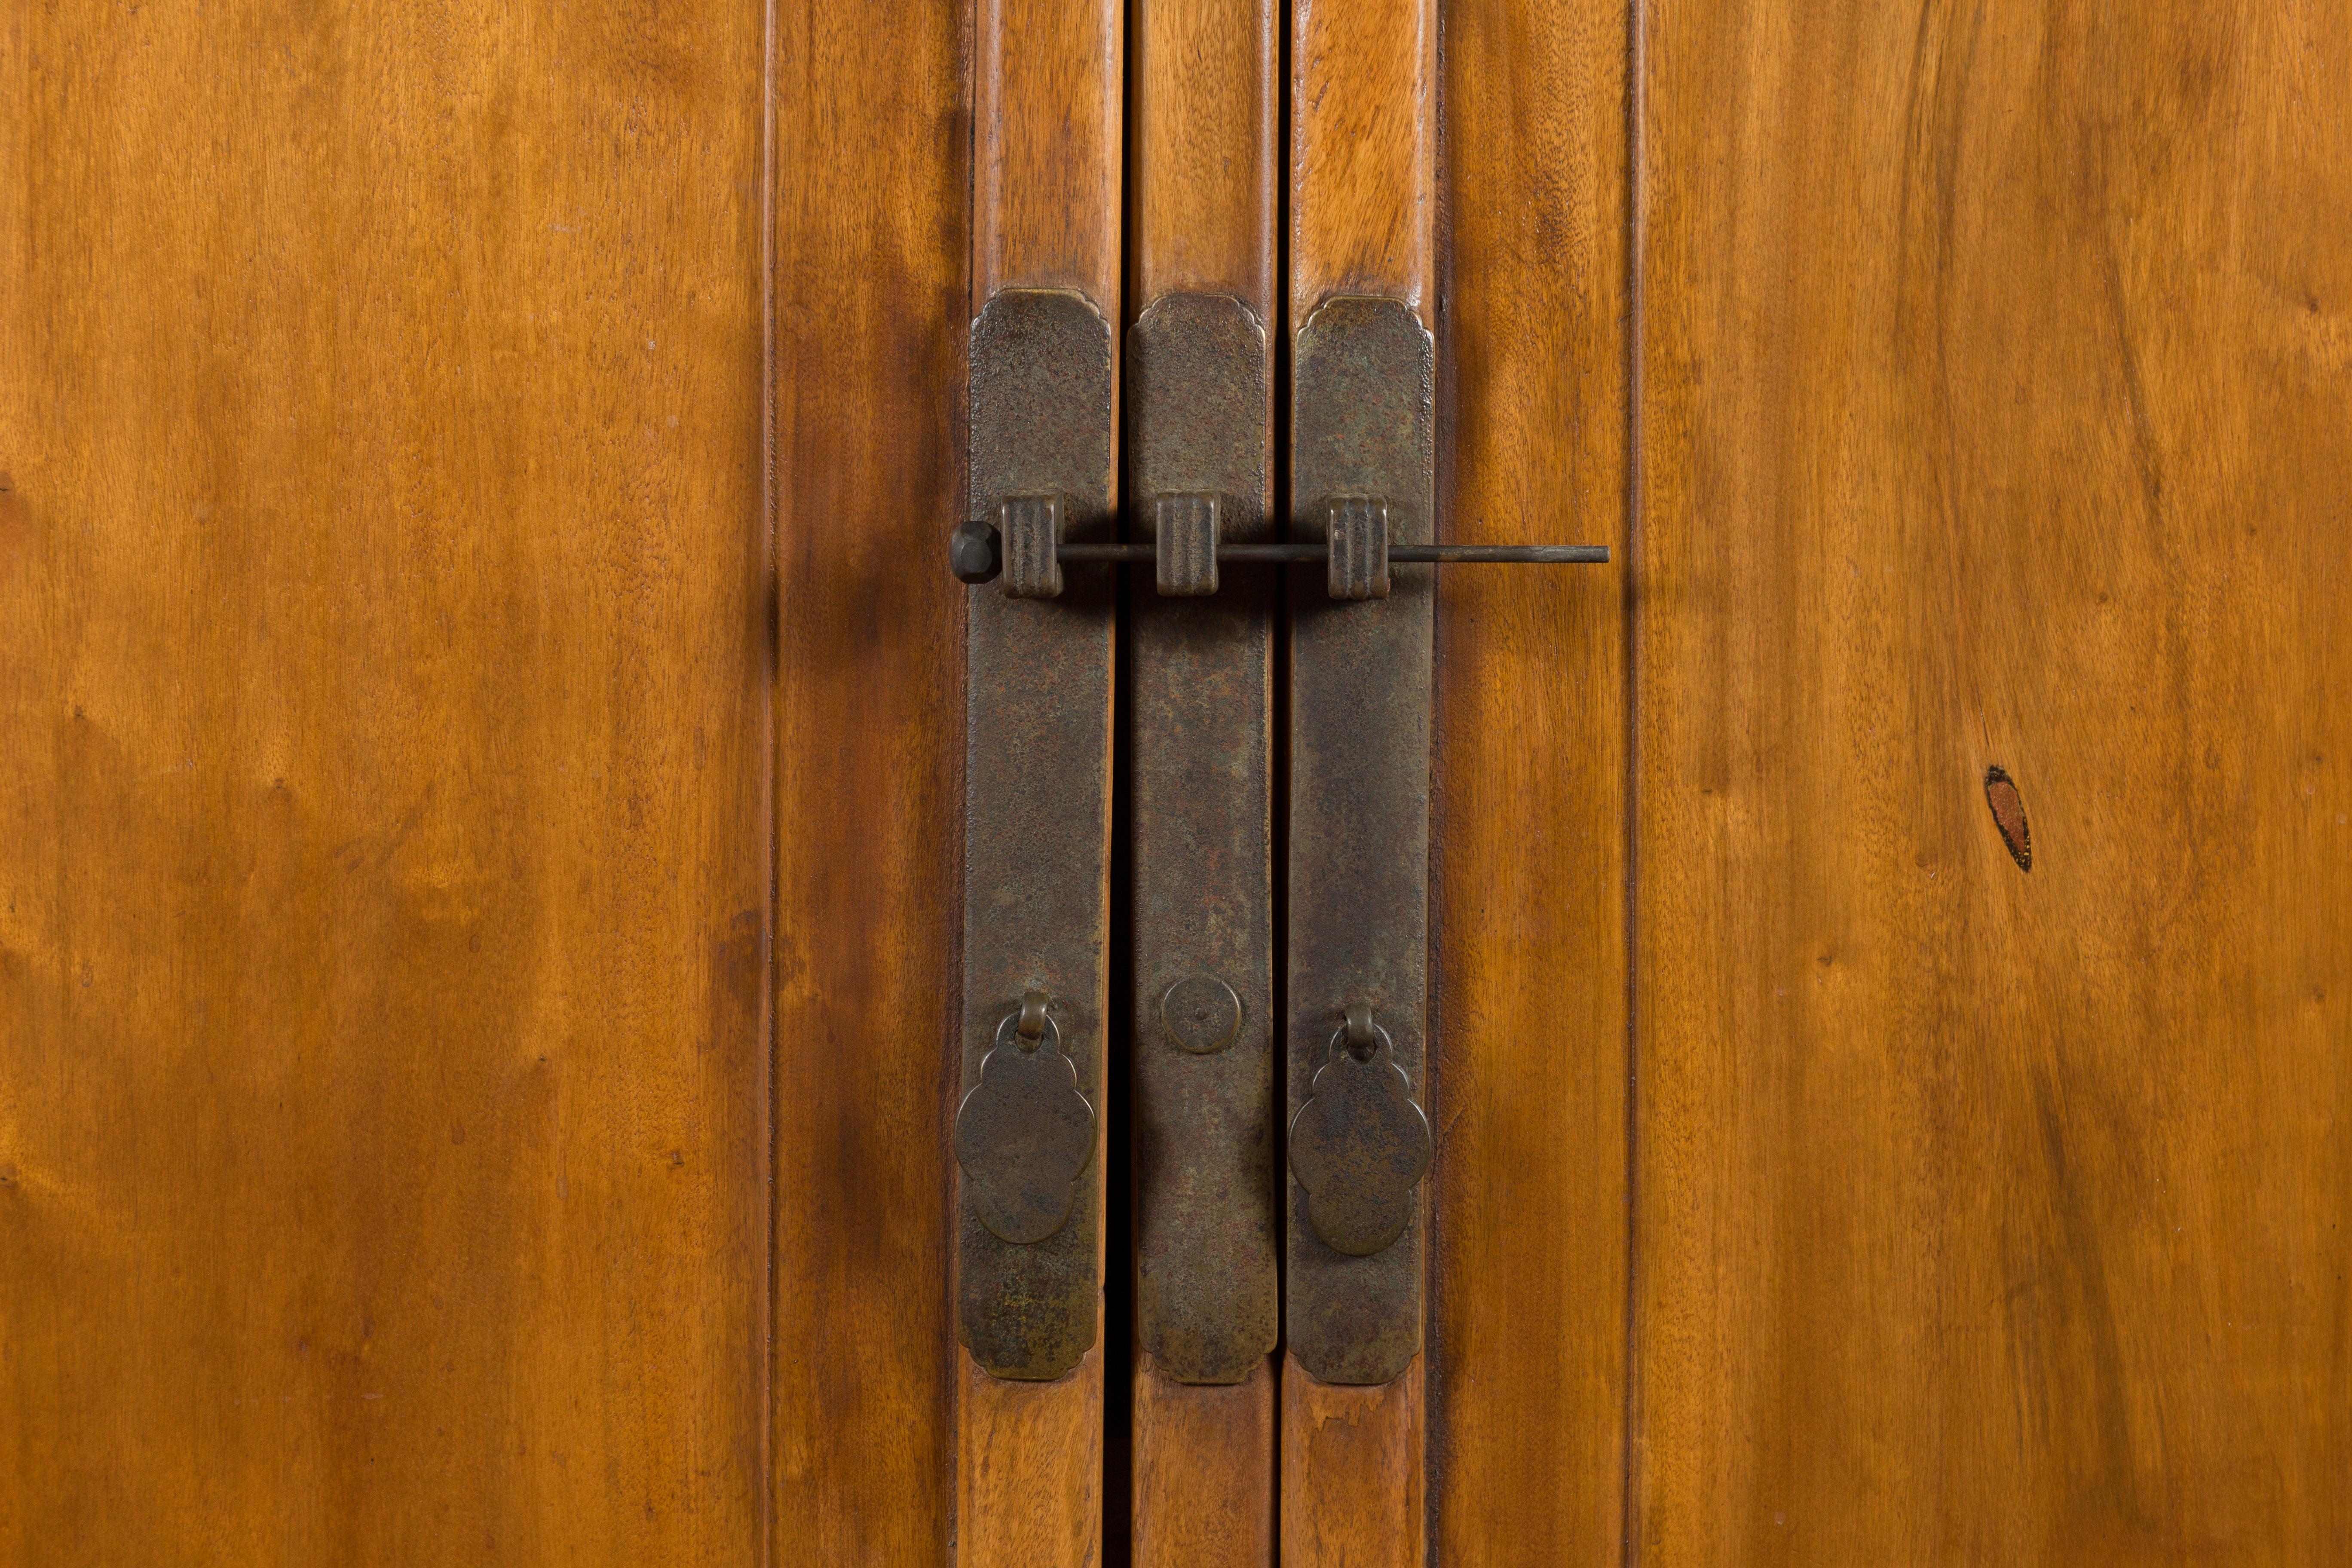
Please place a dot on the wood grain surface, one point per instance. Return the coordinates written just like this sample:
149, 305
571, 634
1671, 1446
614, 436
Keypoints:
393, 799
1528, 1247
1354, 1490
383, 841
1363, 151
1204, 154
1996, 408
1048, 78
1204, 1472
1029, 1468
872, 164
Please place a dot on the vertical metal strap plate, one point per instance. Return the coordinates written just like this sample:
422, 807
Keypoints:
1362, 425
1207, 1290
1037, 799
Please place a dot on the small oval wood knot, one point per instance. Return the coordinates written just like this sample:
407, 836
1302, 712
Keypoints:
2009, 816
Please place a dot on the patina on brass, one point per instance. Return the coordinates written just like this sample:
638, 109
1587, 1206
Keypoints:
1185, 529
1356, 538
1362, 427
1200, 1014
1359, 1145
1038, 682
1025, 1134
1207, 1286
1030, 530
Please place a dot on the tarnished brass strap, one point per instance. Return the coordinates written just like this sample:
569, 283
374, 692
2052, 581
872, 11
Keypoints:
1037, 836
1207, 1306
1364, 434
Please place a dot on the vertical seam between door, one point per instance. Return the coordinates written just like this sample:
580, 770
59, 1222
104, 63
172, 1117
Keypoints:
763, 1339
1628, 580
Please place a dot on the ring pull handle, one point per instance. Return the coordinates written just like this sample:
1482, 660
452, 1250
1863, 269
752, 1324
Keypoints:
1360, 1146
1025, 1134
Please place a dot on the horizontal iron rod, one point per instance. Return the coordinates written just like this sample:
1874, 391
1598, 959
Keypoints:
1533, 555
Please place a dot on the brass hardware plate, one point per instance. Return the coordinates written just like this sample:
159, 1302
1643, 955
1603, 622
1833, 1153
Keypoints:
1036, 812
1359, 1144
1207, 1300
1024, 1134
1362, 432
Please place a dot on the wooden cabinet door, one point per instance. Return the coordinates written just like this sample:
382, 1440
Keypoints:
484, 789
1994, 448
1278, 155
1884, 951
384, 837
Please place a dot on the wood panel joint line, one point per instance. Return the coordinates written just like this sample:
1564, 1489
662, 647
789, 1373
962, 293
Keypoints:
1636, 210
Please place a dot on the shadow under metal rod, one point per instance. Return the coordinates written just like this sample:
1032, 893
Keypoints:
1525, 554
976, 553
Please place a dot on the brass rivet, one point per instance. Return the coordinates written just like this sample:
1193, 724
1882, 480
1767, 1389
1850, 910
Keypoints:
1201, 1014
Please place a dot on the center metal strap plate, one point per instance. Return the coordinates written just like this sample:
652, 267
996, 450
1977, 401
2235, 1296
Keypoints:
1362, 430
1037, 829
1207, 1290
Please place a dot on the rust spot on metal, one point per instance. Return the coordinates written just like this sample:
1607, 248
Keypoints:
2009, 816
